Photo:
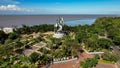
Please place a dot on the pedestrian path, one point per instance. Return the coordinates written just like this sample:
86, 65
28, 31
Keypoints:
34, 48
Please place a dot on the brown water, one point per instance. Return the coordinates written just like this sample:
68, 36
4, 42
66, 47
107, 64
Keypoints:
9, 20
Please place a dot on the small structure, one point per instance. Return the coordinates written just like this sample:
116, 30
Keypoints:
7, 30
58, 28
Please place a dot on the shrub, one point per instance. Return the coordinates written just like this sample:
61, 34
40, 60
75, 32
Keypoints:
34, 57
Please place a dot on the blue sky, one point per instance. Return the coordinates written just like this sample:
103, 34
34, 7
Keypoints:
59, 6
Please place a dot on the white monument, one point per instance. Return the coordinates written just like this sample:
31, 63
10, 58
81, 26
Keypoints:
58, 28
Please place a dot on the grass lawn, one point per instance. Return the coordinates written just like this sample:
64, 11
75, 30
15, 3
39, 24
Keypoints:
109, 62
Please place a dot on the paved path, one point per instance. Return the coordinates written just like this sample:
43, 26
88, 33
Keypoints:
34, 48
116, 49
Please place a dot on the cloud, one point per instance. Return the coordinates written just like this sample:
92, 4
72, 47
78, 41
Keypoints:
13, 8
10, 7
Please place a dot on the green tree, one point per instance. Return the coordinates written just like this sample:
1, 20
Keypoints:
44, 59
116, 39
18, 44
16, 66
3, 36
13, 36
110, 56
105, 43
81, 36
89, 62
34, 57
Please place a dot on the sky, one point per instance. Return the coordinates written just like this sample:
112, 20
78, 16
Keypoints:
59, 7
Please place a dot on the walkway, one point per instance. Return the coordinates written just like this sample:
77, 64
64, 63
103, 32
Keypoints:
34, 48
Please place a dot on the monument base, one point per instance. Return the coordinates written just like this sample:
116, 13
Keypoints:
58, 35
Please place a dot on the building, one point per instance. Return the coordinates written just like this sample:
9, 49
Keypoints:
7, 30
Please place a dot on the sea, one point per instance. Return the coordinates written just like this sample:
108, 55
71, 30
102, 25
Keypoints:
30, 20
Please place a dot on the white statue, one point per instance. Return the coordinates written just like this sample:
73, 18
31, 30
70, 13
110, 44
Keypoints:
58, 25
58, 28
